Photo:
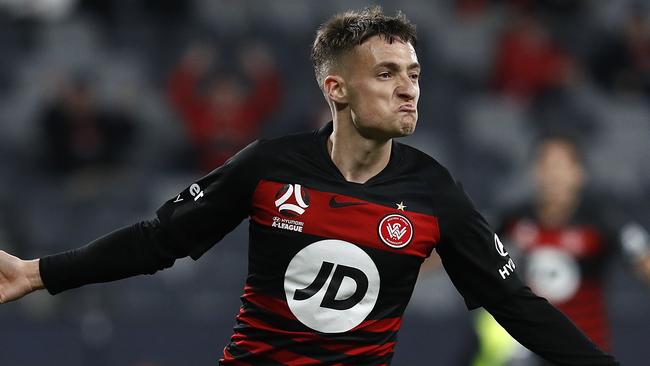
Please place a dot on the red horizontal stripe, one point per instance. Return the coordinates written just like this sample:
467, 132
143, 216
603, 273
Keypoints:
373, 349
280, 307
229, 359
296, 336
356, 224
268, 303
273, 353
347, 348
380, 325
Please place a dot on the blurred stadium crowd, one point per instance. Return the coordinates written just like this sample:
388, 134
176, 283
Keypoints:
109, 107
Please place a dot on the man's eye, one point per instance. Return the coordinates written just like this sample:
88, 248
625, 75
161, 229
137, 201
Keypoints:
384, 75
415, 76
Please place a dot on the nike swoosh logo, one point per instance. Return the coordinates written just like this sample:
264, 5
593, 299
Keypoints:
336, 204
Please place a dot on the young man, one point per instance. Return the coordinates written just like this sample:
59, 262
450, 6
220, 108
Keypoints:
340, 221
565, 240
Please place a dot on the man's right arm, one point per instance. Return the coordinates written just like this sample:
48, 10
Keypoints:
143, 248
186, 225
139, 249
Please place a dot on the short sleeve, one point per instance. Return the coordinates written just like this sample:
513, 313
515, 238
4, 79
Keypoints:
210, 208
473, 256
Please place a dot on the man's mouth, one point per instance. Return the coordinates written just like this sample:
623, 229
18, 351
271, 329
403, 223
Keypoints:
407, 107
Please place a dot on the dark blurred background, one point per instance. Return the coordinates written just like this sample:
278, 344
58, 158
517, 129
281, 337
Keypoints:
107, 108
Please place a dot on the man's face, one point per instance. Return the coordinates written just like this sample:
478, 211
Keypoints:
382, 87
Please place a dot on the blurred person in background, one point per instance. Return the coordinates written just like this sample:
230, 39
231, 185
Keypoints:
340, 221
563, 240
225, 117
621, 62
528, 62
77, 134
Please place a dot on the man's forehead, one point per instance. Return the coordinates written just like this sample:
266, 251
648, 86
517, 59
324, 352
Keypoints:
378, 49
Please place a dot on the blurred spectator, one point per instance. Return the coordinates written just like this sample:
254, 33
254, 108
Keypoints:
528, 62
560, 111
621, 62
466, 35
563, 240
77, 134
224, 118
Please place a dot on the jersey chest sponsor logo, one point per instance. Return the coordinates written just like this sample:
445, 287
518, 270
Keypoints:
331, 286
395, 230
291, 200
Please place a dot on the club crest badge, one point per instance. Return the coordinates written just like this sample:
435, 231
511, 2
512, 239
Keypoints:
395, 230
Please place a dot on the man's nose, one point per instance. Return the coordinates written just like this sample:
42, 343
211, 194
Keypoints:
407, 90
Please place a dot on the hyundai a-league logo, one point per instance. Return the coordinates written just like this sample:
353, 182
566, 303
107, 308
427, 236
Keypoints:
292, 200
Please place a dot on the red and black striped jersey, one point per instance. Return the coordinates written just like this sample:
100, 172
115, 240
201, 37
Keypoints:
332, 264
566, 264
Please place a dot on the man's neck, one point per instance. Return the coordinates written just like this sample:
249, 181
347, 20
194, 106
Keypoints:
357, 158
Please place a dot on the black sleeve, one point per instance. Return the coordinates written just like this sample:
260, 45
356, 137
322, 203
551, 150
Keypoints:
541, 328
188, 224
207, 210
473, 256
143, 248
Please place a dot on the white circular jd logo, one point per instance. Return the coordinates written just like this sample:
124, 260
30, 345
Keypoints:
331, 286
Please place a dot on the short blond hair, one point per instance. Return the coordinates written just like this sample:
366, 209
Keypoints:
342, 32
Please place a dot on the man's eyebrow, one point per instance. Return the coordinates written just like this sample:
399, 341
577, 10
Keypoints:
395, 66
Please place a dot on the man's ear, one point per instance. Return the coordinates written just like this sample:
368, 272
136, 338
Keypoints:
335, 89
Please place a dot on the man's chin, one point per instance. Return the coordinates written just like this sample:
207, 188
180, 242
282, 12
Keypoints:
407, 127
390, 129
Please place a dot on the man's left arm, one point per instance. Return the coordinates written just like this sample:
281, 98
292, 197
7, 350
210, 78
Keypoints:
540, 327
483, 272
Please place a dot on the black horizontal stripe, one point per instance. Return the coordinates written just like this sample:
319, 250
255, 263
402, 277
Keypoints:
245, 356
359, 337
309, 349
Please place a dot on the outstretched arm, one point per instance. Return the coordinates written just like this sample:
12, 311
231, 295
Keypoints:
143, 248
139, 249
537, 325
185, 226
18, 277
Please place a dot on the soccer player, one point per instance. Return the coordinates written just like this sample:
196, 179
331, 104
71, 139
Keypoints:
340, 221
564, 238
